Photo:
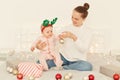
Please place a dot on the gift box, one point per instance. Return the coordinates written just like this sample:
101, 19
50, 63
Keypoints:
109, 70
118, 57
30, 69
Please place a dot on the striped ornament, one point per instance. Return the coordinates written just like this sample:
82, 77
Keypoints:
30, 69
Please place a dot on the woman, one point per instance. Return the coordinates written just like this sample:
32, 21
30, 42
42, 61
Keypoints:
77, 38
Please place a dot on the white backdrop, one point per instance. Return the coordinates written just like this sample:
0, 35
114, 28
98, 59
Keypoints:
20, 15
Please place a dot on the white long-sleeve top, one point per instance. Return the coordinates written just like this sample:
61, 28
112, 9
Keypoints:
76, 50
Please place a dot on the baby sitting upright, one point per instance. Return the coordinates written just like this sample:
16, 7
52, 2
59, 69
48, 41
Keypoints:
46, 44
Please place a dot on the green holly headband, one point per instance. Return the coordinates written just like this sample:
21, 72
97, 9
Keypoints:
47, 22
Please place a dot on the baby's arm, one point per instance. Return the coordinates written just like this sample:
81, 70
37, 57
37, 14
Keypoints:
35, 43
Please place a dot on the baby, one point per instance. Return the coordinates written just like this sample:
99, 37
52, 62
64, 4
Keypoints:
48, 52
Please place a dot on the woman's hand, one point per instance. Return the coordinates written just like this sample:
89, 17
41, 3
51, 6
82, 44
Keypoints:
41, 45
68, 34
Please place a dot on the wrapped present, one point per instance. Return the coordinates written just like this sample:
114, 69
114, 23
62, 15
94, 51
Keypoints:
118, 57
30, 69
109, 70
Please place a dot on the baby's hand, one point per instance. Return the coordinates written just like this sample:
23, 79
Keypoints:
32, 48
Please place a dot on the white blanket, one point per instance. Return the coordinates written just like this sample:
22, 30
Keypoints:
50, 75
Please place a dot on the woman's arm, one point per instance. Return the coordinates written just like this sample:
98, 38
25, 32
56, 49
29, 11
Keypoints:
38, 44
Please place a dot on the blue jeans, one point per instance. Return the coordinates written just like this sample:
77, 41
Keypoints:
72, 65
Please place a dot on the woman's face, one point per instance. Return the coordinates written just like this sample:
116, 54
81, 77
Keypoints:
77, 19
48, 32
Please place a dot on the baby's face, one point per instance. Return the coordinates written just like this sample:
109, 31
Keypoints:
48, 32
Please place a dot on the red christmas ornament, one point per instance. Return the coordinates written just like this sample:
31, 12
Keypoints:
91, 77
19, 76
116, 77
58, 76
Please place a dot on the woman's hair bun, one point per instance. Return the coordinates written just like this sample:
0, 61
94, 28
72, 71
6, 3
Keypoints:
86, 6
